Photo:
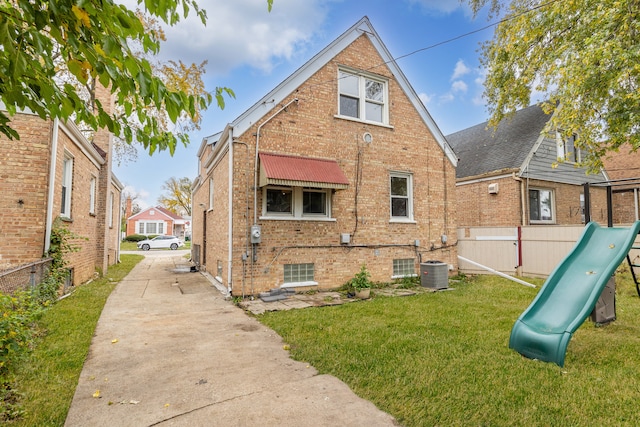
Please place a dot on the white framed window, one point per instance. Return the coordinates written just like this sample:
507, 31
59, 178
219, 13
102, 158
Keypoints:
110, 210
404, 267
92, 196
541, 206
210, 193
401, 196
150, 227
296, 273
296, 203
567, 150
67, 182
363, 97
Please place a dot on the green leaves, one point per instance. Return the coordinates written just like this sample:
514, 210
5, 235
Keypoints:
89, 40
583, 55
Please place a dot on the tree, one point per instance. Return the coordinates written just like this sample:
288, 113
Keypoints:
583, 55
177, 196
93, 40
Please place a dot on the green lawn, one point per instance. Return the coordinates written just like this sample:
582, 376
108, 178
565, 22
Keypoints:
131, 246
48, 379
443, 358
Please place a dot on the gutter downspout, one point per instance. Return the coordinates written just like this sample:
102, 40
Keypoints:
52, 181
255, 165
230, 219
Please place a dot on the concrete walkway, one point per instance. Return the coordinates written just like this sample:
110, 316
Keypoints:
170, 351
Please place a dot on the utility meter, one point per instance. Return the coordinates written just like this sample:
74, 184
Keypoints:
256, 234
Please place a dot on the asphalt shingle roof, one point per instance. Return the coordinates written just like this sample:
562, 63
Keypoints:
482, 149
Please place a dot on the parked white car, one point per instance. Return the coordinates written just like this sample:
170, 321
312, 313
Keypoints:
161, 242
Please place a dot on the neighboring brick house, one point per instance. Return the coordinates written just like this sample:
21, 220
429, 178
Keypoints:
510, 175
54, 172
623, 168
156, 220
339, 165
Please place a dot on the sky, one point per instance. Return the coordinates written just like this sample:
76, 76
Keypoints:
251, 51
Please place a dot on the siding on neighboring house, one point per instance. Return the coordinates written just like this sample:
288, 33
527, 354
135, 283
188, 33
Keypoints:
506, 175
310, 127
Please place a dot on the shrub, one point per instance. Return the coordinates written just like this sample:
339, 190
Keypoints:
135, 238
360, 281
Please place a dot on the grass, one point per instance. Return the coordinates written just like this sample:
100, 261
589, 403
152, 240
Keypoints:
49, 377
131, 246
443, 358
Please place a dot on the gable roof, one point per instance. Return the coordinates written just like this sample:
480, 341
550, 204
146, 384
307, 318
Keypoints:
482, 149
160, 209
276, 96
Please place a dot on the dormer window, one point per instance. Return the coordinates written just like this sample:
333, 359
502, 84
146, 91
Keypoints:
362, 97
567, 150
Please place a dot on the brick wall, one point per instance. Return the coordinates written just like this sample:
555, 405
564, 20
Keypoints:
24, 173
477, 207
310, 128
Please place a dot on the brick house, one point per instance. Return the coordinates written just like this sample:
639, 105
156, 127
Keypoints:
339, 165
511, 176
623, 168
54, 172
155, 220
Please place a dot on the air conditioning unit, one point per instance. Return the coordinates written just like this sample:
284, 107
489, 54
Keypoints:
493, 188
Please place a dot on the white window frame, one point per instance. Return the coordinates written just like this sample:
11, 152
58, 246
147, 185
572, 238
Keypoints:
92, 195
297, 208
567, 150
67, 185
362, 99
211, 188
552, 201
409, 177
110, 211
142, 227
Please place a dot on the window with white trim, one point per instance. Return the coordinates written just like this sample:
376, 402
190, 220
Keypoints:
296, 202
404, 267
67, 182
541, 206
295, 273
210, 193
401, 195
567, 150
363, 97
92, 195
150, 227
110, 210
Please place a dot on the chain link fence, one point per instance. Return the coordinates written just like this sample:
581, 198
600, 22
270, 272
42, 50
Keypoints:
24, 277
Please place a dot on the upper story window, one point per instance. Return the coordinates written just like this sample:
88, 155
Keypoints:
567, 150
67, 181
363, 97
541, 206
296, 203
401, 186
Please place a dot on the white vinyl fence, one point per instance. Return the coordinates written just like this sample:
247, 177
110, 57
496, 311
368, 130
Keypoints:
532, 251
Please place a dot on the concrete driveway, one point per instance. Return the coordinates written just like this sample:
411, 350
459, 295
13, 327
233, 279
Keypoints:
169, 350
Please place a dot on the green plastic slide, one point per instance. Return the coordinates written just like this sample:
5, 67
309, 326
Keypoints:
570, 293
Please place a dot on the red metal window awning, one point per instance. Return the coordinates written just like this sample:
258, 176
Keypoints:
295, 171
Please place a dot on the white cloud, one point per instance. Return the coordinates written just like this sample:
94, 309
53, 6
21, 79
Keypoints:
242, 32
460, 70
459, 86
446, 98
425, 98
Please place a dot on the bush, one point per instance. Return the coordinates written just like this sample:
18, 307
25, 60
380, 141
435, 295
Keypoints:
135, 238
